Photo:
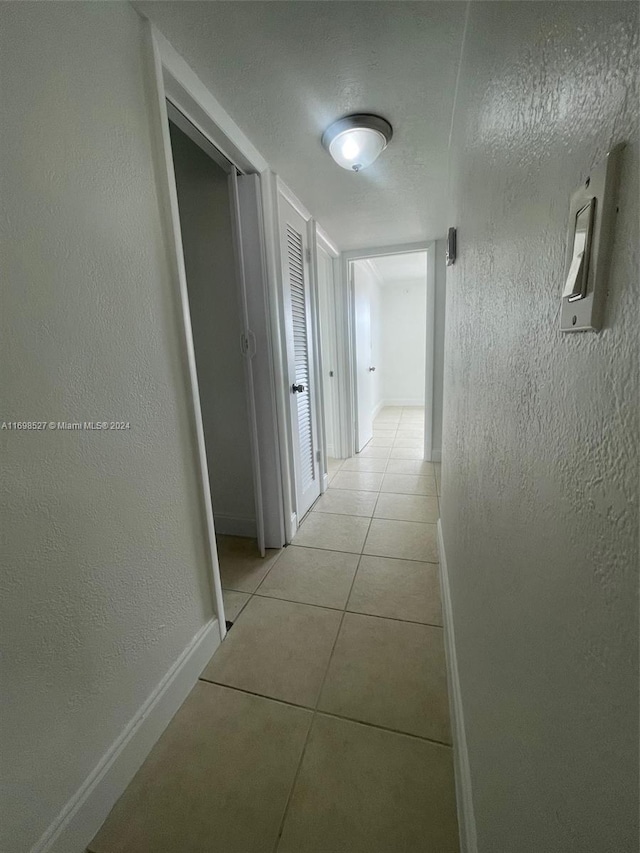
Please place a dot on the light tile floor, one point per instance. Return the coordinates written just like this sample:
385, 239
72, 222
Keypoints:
321, 725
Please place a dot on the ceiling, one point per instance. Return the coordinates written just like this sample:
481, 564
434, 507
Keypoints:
401, 269
285, 70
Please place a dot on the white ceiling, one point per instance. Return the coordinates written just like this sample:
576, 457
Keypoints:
285, 70
400, 269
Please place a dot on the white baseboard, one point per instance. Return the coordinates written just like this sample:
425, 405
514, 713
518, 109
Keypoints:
83, 815
378, 409
466, 818
232, 525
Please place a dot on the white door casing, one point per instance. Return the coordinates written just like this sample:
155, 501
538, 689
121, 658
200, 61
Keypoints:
326, 301
294, 242
347, 347
363, 347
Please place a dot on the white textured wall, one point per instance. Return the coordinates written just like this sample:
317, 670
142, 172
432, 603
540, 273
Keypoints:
540, 457
104, 579
207, 240
403, 332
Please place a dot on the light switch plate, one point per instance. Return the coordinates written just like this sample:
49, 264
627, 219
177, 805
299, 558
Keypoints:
587, 313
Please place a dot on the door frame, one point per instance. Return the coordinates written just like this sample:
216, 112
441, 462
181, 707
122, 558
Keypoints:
348, 406
168, 77
323, 242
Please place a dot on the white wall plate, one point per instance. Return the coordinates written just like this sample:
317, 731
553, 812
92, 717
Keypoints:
585, 312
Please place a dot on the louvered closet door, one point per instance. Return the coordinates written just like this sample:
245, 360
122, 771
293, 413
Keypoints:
300, 349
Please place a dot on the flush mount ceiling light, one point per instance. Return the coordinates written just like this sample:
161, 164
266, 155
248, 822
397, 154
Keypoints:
356, 141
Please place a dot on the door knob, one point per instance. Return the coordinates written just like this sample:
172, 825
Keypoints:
297, 389
371, 369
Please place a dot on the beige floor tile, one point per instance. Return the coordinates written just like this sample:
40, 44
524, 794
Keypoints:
333, 465
241, 566
409, 484
363, 790
400, 441
357, 463
390, 674
311, 576
407, 508
386, 423
367, 481
384, 433
381, 441
346, 502
233, 603
406, 540
375, 452
407, 453
403, 432
277, 649
397, 589
219, 775
410, 466
333, 532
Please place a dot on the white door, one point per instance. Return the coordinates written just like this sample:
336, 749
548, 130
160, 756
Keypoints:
294, 243
364, 366
256, 347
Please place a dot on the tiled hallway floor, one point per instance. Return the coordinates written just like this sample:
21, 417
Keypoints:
321, 725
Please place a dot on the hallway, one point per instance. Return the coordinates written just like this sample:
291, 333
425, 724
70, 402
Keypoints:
321, 725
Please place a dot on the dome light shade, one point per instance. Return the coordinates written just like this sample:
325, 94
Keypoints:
356, 141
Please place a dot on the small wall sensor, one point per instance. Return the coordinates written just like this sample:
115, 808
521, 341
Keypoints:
451, 247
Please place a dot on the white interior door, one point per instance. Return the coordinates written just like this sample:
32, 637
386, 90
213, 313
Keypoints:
256, 347
294, 242
364, 371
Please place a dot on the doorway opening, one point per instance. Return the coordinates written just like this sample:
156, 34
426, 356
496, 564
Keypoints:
393, 323
218, 239
207, 242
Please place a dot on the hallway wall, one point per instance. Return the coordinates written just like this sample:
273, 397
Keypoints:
105, 579
540, 458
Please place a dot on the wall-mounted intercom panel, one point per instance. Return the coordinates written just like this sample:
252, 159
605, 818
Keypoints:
590, 234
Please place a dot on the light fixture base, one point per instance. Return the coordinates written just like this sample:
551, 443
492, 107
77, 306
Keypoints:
357, 140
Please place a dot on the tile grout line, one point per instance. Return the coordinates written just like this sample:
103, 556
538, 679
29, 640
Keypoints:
331, 714
353, 612
318, 696
315, 710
